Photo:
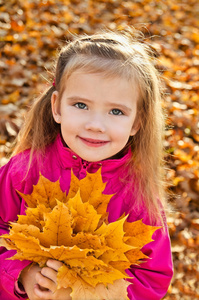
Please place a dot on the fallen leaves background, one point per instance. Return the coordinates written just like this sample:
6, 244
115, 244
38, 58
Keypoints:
30, 34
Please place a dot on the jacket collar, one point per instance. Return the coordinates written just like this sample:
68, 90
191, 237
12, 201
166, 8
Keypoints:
68, 159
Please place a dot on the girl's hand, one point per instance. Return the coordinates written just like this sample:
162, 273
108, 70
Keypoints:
28, 280
46, 287
41, 283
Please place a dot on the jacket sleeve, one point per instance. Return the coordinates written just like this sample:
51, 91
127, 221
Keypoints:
151, 279
10, 207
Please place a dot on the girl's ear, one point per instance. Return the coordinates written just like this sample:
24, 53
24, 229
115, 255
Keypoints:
55, 104
135, 128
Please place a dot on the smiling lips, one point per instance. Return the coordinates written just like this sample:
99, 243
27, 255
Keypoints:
93, 142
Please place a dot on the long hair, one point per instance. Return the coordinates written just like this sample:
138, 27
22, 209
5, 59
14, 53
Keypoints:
113, 54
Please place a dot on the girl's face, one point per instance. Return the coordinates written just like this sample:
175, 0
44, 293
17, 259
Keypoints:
96, 114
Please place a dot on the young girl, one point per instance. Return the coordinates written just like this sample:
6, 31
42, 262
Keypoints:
102, 110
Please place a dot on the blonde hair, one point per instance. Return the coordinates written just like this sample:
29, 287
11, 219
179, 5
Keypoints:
113, 54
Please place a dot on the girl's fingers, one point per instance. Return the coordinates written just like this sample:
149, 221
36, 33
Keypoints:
54, 264
46, 287
47, 294
47, 281
41, 293
49, 273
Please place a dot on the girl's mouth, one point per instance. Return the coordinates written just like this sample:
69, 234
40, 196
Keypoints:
93, 142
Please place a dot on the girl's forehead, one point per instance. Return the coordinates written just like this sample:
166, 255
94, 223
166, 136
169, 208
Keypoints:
108, 71
103, 74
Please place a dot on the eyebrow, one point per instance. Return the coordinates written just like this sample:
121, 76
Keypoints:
111, 104
121, 106
78, 98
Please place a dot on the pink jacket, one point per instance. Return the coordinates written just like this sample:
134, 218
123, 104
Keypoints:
150, 280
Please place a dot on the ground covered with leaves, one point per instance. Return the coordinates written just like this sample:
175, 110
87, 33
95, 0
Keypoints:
30, 34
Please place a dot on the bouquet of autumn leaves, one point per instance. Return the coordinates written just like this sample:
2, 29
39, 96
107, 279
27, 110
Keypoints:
74, 229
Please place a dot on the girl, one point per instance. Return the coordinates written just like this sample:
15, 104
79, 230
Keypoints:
103, 110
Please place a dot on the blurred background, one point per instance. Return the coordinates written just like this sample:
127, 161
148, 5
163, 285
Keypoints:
31, 33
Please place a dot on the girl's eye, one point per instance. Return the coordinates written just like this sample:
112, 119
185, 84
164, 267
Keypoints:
80, 105
116, 112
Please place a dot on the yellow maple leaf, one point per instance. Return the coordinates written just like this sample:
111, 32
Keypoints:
34, 216
74, 229
85, 216
57, 230
91, 188
138, 233
115, 291
44, 192
74, 186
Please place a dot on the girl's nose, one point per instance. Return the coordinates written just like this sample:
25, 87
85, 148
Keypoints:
96, 124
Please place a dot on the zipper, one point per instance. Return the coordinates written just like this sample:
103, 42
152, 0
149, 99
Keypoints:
85, 164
